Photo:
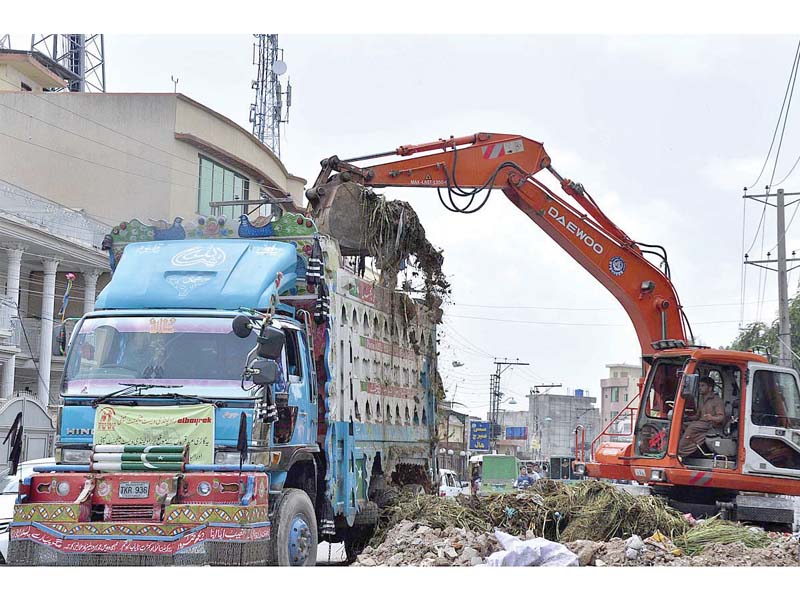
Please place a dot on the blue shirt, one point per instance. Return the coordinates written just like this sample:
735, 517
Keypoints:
524, 481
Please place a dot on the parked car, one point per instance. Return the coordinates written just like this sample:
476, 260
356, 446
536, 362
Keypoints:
449, 485
9, 487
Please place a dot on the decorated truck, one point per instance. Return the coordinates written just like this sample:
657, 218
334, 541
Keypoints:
239, 394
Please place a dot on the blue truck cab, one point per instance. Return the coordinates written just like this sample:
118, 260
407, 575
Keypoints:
265, 471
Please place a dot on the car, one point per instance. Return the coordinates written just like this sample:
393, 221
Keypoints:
450, 486
9, 487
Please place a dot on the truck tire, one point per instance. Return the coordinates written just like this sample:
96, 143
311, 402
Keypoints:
294, 530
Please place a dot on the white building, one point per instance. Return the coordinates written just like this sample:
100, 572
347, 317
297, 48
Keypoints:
617, 390
73, 166
40, 243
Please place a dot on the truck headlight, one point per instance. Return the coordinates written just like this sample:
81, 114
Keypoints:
70, 456
658, 475
227, 458
579, 469
62, 489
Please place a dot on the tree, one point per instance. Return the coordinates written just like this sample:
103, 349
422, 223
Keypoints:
764, 338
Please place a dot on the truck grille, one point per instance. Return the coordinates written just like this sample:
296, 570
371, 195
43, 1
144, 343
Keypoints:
133, 512
4, 527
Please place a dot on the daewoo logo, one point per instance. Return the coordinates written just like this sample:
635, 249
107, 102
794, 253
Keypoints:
579, 233
208, 256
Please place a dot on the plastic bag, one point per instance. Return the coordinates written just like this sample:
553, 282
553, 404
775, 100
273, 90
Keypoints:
537, 552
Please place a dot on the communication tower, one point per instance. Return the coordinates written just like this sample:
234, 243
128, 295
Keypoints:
267, 112
81, 53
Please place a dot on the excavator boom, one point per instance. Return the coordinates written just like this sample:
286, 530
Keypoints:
472, 166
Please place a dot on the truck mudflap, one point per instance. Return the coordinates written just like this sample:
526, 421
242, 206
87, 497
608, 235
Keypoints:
106, 530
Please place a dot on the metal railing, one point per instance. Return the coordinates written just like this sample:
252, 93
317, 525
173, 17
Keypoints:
55, 218
628, 410
6, 314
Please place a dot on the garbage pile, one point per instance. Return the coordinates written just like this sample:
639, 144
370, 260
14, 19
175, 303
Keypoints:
557, 511
590, 523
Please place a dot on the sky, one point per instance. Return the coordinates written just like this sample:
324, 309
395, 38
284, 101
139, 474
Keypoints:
664, 132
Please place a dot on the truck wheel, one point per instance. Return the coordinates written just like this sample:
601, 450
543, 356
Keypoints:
294, 530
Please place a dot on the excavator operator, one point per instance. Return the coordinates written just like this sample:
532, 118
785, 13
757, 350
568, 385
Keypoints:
711, 413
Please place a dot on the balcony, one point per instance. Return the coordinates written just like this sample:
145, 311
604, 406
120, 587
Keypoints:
27, 334
7, 313
73, 225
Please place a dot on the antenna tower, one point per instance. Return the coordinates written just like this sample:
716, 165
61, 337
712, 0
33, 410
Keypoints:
81, 53
267, 112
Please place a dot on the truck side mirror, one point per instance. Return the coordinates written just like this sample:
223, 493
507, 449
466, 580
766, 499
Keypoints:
270, 343
242, 326
265, 371
690, 385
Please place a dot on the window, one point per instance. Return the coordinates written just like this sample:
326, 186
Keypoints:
614, 394
652, 427
776, 401
777, 452
293, 359
219, 184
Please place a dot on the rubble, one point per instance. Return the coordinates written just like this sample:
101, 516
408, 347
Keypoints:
430, 531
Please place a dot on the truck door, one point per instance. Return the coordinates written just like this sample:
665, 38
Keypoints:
772, 421
296, 420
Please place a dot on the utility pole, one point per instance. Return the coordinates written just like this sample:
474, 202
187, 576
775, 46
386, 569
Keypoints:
495, 396
784, 325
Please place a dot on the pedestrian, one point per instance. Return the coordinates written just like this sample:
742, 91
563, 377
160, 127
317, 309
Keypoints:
524, 480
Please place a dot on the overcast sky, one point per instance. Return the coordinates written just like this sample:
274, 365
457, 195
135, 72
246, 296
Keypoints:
663, 131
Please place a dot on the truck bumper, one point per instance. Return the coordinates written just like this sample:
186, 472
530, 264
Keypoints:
129, 544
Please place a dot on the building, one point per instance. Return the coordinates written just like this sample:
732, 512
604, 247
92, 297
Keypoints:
73, 166
145, 156
41, 243
25, 71
452, 433
547, 428
553, 419
620, 387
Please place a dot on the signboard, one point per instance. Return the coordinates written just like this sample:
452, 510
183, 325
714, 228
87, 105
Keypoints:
479, 435
516, 433
158, 426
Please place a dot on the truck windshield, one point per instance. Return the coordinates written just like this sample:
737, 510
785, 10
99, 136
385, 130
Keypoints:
201, 354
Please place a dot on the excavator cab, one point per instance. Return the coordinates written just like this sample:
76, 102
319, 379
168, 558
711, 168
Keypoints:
672, 401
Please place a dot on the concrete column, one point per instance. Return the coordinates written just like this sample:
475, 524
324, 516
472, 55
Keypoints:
90, 289
46, 341
12, 291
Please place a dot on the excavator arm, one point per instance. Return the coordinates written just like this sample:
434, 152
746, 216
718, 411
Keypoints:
472, 166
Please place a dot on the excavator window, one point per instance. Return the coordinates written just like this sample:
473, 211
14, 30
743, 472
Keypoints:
652, 428
776, 400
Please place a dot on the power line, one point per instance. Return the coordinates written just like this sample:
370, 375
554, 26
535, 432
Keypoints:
125, 135
75, 133
194, 188
780, 114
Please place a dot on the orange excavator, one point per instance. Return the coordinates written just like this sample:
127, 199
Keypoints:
744, 461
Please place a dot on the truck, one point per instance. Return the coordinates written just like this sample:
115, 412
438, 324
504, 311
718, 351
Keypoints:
745, 461
237, 395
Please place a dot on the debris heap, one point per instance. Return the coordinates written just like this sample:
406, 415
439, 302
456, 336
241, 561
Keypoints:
602, 525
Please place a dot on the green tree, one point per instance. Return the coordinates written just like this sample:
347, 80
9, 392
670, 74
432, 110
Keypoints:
764, 338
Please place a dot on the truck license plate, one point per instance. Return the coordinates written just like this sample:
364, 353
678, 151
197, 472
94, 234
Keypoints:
134, 489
